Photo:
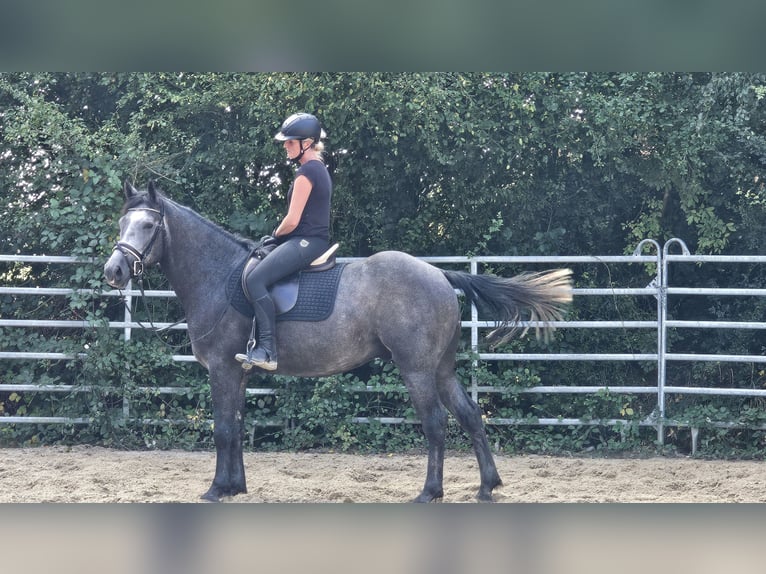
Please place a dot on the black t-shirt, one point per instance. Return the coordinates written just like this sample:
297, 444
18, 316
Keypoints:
315, 220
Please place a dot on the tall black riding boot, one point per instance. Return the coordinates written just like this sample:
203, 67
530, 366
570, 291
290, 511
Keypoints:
263, 351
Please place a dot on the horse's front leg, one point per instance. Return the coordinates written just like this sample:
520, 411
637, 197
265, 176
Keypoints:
227, 386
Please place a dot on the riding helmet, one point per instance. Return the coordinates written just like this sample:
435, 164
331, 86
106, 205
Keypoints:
300, 127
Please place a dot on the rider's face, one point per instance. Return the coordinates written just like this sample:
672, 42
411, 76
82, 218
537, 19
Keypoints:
293, 148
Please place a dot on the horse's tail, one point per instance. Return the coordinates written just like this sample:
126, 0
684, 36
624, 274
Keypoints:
539, 297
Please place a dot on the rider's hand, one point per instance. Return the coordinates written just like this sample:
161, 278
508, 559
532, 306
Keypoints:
267, 240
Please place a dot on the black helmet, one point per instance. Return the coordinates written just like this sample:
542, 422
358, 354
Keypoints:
300, 127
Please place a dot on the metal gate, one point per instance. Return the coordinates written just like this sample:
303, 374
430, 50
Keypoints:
659, 288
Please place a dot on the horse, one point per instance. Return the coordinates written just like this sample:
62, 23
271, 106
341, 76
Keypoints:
390, 305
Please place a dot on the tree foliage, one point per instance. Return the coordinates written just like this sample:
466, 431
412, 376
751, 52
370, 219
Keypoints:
431, 164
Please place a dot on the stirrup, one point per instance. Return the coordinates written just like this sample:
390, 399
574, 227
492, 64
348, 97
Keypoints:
267, 365
242, 358
248, 364
249, 360
245, 357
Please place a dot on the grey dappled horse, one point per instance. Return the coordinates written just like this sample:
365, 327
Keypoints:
390, 305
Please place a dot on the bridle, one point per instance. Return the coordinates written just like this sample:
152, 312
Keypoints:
137, 272
137, 268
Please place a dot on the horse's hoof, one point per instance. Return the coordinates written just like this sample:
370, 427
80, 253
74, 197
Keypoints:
217, 493
424, 497
485, 496
210, 497
485, 491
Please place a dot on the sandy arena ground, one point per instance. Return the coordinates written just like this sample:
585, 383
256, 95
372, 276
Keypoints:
91, 474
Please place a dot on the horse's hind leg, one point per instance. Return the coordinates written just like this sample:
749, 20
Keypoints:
433, 417
468, 415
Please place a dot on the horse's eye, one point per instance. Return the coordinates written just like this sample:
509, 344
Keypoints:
147, 225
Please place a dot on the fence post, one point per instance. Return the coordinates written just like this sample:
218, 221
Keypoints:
126, 336
662, 351
657, 283
474, 339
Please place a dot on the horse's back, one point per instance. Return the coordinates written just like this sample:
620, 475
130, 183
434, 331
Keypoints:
384, 303
404, 267
407, 298
395, 274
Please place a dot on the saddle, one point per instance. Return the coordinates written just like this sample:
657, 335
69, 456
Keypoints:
316, 285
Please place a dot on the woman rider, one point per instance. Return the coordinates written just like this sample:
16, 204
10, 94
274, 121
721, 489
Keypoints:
302, 236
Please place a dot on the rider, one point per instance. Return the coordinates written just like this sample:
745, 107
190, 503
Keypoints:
302, 236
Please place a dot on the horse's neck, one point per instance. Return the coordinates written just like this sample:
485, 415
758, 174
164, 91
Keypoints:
198, 257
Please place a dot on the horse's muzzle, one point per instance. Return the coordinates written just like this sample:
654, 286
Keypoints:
116, 270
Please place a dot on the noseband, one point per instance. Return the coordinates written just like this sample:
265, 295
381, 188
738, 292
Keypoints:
137, 269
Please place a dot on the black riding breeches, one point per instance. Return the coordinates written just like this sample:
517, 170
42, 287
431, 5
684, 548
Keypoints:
293, 255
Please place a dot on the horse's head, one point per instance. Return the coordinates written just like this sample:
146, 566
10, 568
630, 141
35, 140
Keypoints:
142, 228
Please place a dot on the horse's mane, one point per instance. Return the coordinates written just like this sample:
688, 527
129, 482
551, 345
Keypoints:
143, 199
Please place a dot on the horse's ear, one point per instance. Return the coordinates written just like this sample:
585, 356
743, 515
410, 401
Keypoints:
152, 190
128, 189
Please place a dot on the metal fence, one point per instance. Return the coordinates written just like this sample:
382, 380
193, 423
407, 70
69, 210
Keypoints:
661, 259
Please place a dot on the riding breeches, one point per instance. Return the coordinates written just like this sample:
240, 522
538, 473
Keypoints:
293, 255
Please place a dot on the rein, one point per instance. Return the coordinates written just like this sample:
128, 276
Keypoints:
158, 330
151, 328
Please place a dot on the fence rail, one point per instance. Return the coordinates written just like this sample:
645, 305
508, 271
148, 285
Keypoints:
657, 288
